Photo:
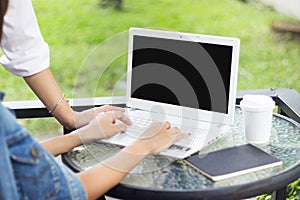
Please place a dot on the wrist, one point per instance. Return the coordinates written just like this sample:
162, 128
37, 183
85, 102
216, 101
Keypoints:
74, 138
129, 157
81, 135
139, 147
65, 115
66, 142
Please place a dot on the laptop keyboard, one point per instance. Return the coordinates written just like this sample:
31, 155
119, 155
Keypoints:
202, 133
140, 124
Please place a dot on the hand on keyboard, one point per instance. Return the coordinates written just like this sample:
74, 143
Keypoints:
160, 136
84, 117
104, 125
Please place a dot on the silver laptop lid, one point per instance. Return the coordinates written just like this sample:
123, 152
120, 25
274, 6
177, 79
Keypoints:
183, 74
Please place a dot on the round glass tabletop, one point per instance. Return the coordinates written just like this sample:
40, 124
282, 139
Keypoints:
160, 173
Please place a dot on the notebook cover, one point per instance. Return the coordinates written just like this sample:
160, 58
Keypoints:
234, 161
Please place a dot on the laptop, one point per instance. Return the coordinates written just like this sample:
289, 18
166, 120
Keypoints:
187, 79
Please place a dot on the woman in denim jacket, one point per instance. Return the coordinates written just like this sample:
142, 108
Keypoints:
28, 169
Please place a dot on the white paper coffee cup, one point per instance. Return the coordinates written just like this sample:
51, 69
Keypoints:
257, 114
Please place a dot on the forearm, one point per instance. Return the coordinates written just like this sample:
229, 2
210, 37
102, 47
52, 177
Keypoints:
99, 179
62, 144
45, 87
86, 134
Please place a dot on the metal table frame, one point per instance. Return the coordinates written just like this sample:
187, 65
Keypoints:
287, 100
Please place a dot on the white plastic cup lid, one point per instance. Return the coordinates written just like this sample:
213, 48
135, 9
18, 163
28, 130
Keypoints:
257, 102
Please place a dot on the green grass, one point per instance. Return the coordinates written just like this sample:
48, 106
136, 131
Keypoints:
73, 28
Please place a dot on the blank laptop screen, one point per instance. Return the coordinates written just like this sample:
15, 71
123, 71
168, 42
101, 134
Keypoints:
181, 72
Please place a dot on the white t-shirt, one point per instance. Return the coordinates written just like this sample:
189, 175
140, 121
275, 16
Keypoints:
25, 51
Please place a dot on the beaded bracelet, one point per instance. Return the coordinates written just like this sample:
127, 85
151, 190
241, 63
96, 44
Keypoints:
58, 102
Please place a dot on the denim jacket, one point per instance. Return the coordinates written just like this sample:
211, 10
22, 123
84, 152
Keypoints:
27, 171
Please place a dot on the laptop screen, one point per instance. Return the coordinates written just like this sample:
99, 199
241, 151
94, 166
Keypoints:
181, 72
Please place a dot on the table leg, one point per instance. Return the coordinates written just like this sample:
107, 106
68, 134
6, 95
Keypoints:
280, 194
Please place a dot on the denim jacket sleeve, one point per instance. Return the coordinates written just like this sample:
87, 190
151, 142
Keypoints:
27, 170
7, 182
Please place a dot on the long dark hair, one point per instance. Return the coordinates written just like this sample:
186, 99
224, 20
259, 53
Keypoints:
3, 8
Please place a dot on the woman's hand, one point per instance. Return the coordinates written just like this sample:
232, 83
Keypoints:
84, 117
159, 136
104, 125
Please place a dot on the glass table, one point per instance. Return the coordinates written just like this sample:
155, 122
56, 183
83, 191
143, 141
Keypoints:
159, 177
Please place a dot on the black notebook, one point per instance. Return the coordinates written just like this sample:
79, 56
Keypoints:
234, 161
